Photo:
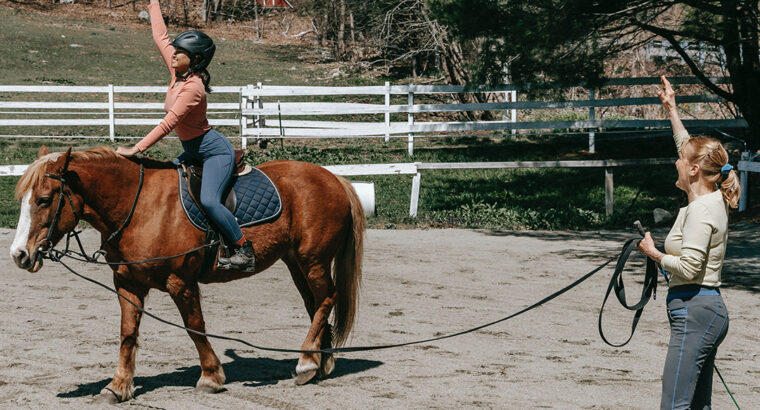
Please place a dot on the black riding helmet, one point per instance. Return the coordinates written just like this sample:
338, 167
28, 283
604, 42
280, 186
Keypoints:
197, 44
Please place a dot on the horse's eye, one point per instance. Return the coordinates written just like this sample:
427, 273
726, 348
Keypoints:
45, 201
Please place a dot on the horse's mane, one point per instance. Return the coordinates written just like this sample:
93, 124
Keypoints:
37, 170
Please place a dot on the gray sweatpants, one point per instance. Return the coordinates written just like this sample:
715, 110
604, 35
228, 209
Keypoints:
698, 323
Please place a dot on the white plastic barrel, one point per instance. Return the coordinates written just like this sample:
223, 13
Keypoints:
366, 192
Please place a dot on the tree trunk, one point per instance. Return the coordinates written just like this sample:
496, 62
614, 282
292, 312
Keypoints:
256, 17
743, 66
452, 60
187, 6
342, 29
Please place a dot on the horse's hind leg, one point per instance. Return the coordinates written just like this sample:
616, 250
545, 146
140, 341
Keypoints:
187, 297
122, 388
327, 362
323, 298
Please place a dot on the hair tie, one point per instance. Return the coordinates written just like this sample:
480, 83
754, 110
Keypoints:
726, 169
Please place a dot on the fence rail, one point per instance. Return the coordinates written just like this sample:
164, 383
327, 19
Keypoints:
257, 113
415, 169
745, 166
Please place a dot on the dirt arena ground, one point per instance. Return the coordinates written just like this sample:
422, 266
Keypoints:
59, 334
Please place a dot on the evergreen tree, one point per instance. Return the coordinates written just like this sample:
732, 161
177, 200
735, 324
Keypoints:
567, 42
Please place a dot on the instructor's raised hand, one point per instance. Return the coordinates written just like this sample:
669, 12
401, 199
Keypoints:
666, 94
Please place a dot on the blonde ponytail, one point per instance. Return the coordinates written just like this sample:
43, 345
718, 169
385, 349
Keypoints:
731, 189
712, 156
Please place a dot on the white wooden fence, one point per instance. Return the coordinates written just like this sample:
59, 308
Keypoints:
258, 113
415, 169
745, 166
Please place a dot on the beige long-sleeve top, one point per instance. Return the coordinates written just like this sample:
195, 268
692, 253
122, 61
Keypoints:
696, 244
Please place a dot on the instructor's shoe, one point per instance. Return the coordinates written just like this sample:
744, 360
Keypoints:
242, 258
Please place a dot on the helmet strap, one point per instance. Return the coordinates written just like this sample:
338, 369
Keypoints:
184, 76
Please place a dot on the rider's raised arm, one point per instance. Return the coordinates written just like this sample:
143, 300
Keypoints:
160, 36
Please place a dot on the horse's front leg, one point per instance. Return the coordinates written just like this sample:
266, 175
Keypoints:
187, 297
122, 387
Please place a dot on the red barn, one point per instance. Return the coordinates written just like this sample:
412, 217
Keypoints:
274, 3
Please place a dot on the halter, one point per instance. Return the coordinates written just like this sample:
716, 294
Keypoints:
48, 242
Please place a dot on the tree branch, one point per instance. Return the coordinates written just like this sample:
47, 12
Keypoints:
668, 35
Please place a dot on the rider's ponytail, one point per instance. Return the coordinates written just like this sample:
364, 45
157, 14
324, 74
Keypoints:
206, 78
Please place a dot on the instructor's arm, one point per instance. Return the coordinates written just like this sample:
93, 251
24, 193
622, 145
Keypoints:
668, 98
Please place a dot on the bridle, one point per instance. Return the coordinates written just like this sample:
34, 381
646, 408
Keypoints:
47, 245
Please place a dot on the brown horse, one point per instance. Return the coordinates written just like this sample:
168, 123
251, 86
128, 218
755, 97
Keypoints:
320, 231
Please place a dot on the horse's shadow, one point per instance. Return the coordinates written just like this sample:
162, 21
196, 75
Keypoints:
252, 372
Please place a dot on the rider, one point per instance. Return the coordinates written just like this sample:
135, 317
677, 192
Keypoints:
695, 246
187, 58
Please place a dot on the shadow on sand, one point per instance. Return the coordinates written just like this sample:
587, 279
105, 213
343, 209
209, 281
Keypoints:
252, 372
739, 269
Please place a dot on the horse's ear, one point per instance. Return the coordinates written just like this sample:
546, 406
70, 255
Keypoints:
62, 164
44, 150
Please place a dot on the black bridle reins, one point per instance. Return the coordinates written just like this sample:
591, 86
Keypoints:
55, 255
134, 205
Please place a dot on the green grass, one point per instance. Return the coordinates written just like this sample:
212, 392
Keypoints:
491, 199
501, 199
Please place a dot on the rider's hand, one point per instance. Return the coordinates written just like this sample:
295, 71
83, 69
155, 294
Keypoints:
666, 94
127, 152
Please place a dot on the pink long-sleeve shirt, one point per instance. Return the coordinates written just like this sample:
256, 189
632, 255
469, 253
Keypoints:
185, 103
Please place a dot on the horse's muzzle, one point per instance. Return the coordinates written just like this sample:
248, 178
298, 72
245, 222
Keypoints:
32, 263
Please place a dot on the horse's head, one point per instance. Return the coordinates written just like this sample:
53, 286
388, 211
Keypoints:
49, 208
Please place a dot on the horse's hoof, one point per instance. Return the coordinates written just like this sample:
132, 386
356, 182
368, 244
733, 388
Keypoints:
208, 385
328, 365
106, 396
304, 373
207, 389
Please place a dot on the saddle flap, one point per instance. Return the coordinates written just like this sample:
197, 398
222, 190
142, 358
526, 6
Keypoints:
239, 154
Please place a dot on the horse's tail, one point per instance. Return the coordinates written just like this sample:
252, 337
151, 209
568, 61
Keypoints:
347, 271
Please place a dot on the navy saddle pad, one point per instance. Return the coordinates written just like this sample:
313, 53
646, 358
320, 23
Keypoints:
257, 200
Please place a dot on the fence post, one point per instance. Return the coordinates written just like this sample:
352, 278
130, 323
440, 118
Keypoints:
243, 118
608, 191
410, 120
506, 100
514, 111
387, 111
111, 119
415, 199
744, 182
591, 117
259, 117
